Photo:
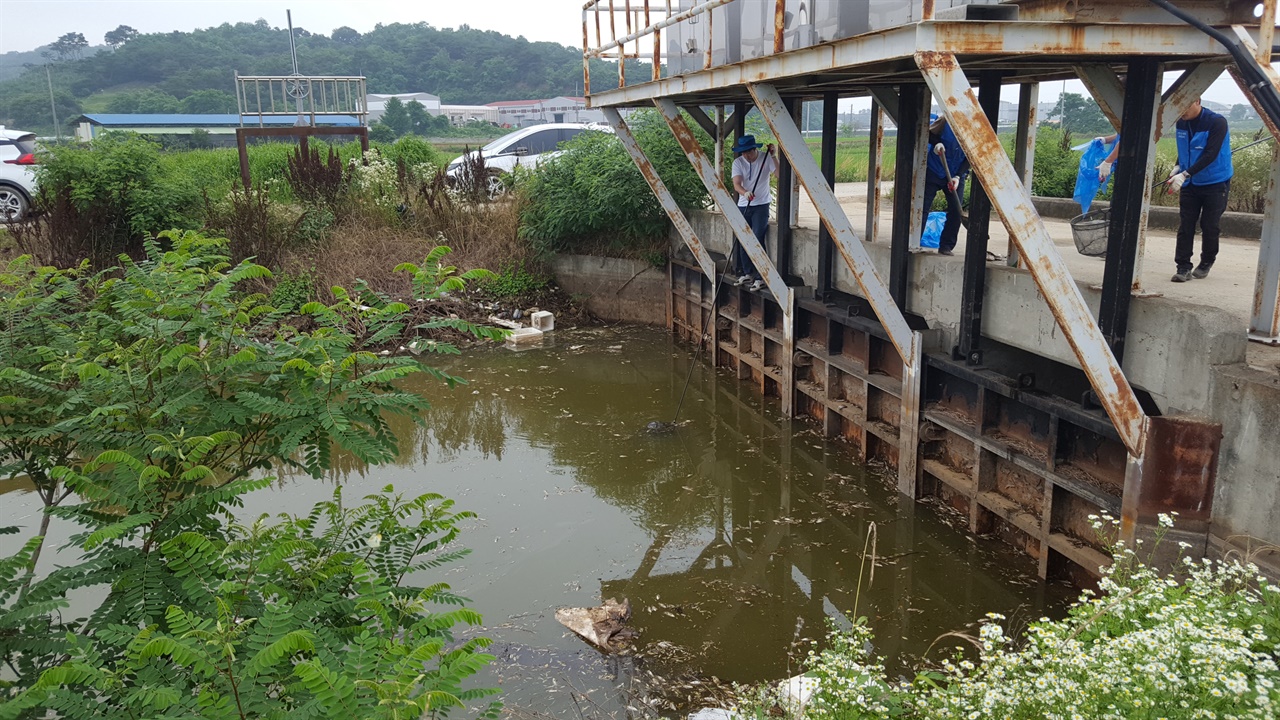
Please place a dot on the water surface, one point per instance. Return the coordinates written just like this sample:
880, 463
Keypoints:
737, 538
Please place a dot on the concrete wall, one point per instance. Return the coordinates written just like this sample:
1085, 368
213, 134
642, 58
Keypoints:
615, 289
1189, 357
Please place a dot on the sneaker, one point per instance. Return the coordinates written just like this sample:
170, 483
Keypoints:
1181, 276
1201, 272
947, 253
742, 280
756, 285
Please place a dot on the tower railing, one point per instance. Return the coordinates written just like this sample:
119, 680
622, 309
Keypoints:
305, 96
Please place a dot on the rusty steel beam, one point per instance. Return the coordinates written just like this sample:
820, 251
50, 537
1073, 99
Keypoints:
1264, 322
1024, 148
837, 223
875, 165
728, 207
1187, 88
1040, 255
887, 99
1045, 39
700, 117
665, 198
780, 25
1266, 32
909, 422
1106, 88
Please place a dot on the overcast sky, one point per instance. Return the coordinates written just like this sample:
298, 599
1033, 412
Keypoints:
27, 24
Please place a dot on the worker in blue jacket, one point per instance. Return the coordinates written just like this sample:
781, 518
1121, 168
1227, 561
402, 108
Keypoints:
1203, 176
937, 179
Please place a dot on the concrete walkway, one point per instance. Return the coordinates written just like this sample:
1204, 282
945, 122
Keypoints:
1229, 287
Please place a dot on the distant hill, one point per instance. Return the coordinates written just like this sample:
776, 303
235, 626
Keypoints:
462, 66
13, 63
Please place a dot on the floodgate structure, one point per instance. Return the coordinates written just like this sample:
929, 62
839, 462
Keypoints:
1009, 391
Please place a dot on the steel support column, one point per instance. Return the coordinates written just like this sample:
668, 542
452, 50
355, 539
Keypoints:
1264, 323
742, 231
875, 158
826, 249
908, 185
1040, 255
1129, 200
860, 265
1106, 88
974, 290
786, 204
668, 202
1024, 148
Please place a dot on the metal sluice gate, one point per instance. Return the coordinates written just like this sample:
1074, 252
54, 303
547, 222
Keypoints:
1026, 446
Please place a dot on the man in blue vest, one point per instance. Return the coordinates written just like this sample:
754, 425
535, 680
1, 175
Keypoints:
938, 179
1204, 149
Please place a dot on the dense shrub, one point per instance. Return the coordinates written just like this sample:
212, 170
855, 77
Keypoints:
593, 196
102, 198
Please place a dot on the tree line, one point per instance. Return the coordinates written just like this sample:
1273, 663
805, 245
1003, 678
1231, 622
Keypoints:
162, 70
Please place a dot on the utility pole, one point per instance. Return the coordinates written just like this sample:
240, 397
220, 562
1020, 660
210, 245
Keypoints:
53, 108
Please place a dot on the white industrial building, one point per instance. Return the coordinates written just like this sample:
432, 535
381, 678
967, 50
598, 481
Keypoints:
378, 102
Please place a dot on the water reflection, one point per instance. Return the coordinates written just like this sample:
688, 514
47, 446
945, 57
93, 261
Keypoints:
736, 538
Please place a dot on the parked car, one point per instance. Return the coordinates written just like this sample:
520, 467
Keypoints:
17, 173
523, 148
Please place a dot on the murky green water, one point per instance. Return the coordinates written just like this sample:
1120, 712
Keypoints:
736, 538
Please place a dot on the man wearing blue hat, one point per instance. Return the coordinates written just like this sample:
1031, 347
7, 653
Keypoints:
751, 172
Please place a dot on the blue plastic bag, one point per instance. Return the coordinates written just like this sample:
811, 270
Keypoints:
1087, 185
933, 229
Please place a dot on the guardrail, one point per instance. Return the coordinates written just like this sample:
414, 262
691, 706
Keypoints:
657, 16
306, 96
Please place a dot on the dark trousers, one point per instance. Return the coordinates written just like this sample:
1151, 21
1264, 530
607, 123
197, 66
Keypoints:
758, 218
1203, 204
950, 231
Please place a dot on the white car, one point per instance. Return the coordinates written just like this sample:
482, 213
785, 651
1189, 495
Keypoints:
524, 148
17, 173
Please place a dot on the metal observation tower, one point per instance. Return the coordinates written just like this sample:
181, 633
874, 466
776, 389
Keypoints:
1028, 447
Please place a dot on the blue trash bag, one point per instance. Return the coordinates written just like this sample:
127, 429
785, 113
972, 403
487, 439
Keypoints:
933, 229
1087, 185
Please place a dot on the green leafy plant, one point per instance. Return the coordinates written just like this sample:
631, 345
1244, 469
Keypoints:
592, 195
155, 397
515, 281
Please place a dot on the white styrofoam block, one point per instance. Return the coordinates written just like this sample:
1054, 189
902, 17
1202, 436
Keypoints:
524, 336
543, 320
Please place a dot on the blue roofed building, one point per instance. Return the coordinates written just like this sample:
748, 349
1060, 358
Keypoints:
90, 125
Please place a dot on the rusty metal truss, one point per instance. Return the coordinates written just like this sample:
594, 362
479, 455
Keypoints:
869, 380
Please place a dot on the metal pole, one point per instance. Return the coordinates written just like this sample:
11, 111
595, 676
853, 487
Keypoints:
1129, 201
974, 289
875, 157
1024, 150
786, 205
1264, 324
53, 108
826, 247
913, 123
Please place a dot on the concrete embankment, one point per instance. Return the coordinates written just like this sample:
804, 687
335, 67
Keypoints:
615, 289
